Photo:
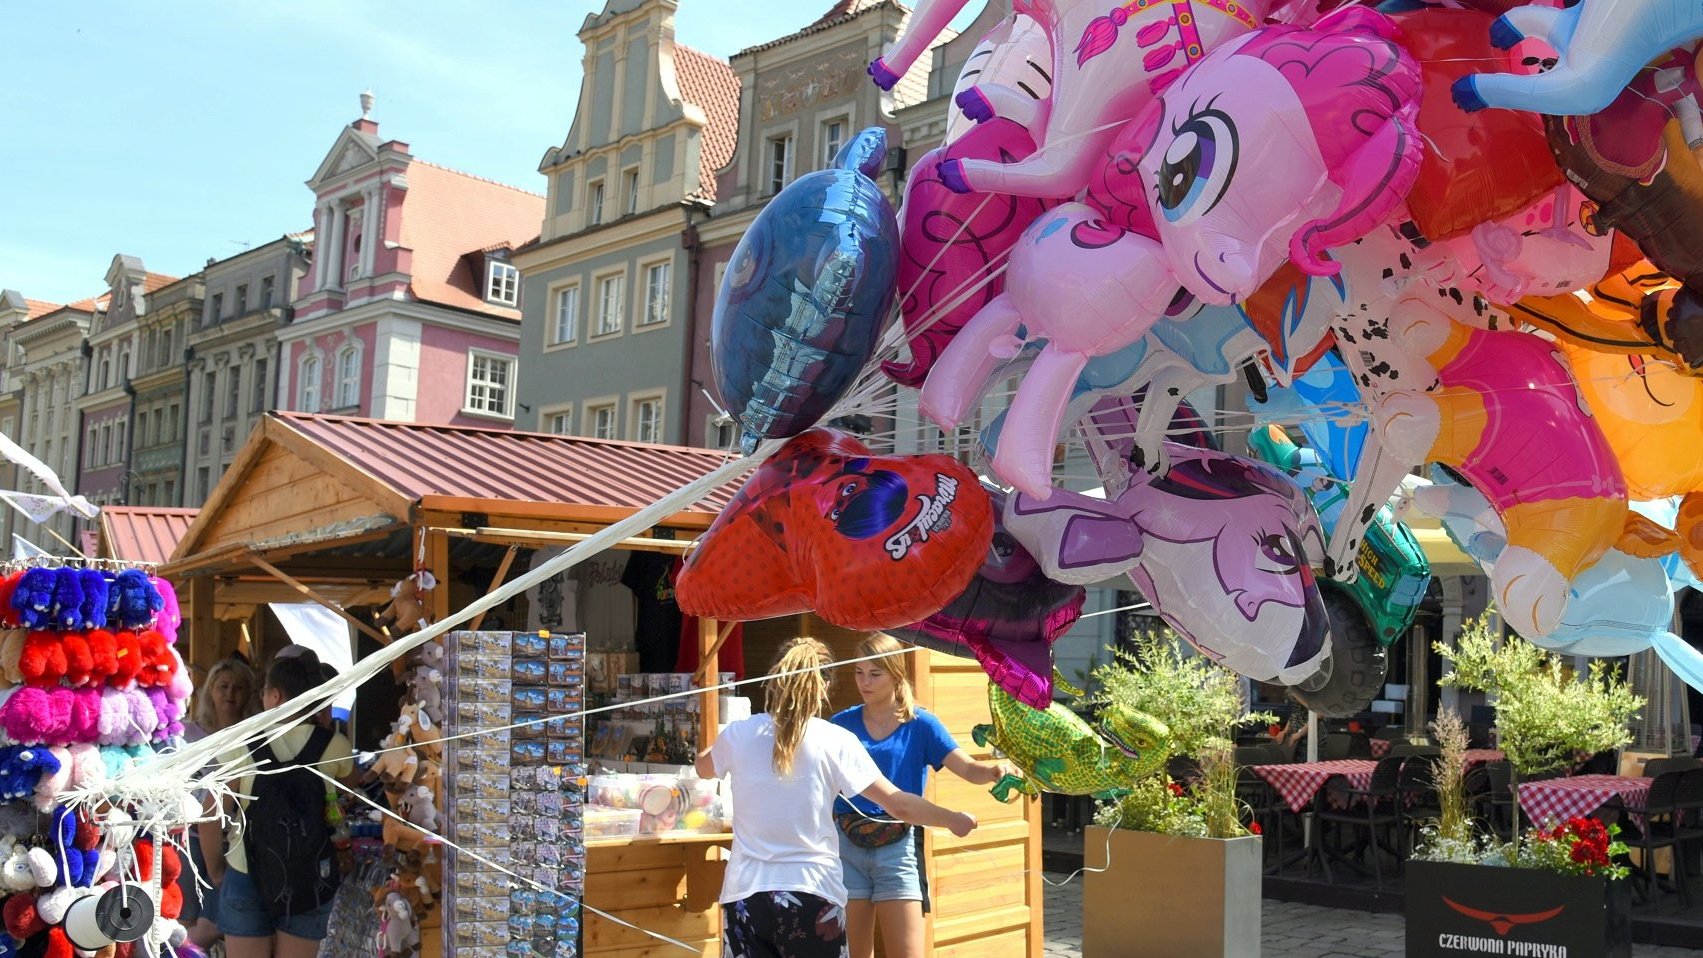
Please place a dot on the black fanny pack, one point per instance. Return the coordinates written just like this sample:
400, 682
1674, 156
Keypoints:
866, 832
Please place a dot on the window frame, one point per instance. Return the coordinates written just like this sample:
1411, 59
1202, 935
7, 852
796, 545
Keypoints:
241, 304
306, 385
645, 268
595, 197
560, 409
552, 321
588, 418
788, 161
508, 386
630, 184
634, 424
510, 275
620, 278
340, 382
712, 431
268, 291
233, 397
844, 120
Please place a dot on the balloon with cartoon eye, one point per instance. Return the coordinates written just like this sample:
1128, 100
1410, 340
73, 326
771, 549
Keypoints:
1199, 163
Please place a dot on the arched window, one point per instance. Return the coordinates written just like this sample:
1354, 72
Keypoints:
349, 377
308, 383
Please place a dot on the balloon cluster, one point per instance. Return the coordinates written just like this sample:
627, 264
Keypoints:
1462, 235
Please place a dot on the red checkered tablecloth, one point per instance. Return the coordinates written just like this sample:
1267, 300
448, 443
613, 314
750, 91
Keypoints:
1296, 784
1558, 799
1381, 747
1475, 757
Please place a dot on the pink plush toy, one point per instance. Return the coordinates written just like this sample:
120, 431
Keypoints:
48, 787
181, 686
167, 712
33, 715
170, 618
86, 764
114, 723
143, 719
84, 725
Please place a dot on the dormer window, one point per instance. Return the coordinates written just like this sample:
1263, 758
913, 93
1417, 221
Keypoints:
502, 283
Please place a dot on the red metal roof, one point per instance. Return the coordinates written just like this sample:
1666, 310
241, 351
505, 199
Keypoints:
712, 86
420, 460
143, 533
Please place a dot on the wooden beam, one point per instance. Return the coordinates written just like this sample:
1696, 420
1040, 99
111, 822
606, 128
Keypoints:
573, 512
496, 580
437, 560
709, 705
203, 623
529, 537
293, 583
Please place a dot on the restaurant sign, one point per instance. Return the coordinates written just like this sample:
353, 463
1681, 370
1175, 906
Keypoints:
1456, 911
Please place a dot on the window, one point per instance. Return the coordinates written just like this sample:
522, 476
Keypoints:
780, 162
564, 327
630, 183
201, 486
209, 385
266, 292
173, 422
242, 299
162, 358
348, 378
308, 390
594, 203
657, 289
609, 319
215, 307
260, 403
119, 452
722, 433
833, 138
91, 446
490, 386
646, 419
233, 392
142, 428
160, 435
559, 421
601, 421
105, 376
171, 493
502, 284
123, 364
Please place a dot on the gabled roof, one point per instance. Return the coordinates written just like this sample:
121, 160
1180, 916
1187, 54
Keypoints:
840, 12
153, 281
448, 214
142, 533
38, 307
399, 469
712, 86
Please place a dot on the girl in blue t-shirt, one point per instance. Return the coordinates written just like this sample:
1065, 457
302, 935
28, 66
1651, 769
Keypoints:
879, 855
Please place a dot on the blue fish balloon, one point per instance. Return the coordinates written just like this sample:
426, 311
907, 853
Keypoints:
806, 295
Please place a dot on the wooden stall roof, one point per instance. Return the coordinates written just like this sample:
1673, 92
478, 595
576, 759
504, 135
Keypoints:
142, 533
305, 479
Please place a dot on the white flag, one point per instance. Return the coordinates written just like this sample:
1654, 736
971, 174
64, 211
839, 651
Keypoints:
39, 509
13, 452
23, 548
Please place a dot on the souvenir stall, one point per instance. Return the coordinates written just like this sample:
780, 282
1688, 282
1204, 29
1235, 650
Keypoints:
418, 521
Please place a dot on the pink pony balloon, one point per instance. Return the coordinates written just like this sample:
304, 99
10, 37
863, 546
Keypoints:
1541, 250
1279, 146
1084, 287
1220, 545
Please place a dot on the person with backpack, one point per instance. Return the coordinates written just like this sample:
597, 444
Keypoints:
279, 872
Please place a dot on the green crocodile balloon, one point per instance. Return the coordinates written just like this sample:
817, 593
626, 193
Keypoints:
1060, 753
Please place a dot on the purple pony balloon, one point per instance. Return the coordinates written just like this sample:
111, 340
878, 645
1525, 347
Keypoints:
1220, 545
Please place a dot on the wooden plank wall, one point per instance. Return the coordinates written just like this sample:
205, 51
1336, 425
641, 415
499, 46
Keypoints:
669, 889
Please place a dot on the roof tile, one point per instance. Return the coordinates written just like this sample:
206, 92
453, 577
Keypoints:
448, 214
712, 86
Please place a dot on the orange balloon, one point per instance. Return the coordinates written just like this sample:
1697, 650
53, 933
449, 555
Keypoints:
1651, 414
866, 542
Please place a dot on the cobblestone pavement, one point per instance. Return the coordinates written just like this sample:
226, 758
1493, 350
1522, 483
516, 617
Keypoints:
1288, 930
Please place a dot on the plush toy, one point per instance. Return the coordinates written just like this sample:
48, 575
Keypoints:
128, 656
32, 715
22, 919
9, 588
407, 610
44, 869
166, 713
86, 765
67, 598
181, 686
33, 599
170, 619
54, 779
96, 593
422, 808
42, 661
156, 658
84, 724
427, 689
15, 872
22, 769
114, 727
11, 651
114, 760
51, 905
137, 602
79, 662
59, 944
103, 655
64, 837
397, 929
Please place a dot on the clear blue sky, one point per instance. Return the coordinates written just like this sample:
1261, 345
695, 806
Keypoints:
185, 130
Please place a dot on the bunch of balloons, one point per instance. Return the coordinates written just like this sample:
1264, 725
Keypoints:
1469, 237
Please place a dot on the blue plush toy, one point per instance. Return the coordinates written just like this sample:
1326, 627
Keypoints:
95, 596
21, 767
78, 865
11, 774
134, 601
67, 598
34, 599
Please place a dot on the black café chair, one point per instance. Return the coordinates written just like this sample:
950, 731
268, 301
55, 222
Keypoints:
1602, 763
1364, 811
1262, 805
1657, 824
1500, 815
1419, 802
1335, 747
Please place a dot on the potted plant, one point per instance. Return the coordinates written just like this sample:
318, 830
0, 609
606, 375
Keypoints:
1171, 867
1570, 896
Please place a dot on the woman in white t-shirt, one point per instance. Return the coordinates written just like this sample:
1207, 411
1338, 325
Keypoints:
783, 896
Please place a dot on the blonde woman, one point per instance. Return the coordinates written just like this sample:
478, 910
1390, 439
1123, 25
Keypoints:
782, 896
225, 697
879, 855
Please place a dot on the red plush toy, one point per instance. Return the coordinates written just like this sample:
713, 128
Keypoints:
8, 586
22, 920
156, 659
79, 663
171, 895
43, 660
58, 945
128, 656
103, 653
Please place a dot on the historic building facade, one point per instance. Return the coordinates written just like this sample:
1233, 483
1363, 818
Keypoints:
157, 394
411, 308
609, 284
46, 372
230, 367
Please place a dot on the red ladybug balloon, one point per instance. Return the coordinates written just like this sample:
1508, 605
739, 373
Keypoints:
866, 542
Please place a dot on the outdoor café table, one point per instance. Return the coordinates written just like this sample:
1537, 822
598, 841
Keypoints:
1474, 757
1381, 747
1297, 783
1559, 799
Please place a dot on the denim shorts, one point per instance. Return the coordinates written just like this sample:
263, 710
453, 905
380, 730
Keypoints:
888, 873
242, 914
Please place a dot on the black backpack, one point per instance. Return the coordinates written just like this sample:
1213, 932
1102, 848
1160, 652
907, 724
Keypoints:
288, 844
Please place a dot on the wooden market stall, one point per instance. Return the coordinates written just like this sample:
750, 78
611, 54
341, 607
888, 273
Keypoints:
336, 510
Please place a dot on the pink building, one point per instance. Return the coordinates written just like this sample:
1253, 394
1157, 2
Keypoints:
410, 310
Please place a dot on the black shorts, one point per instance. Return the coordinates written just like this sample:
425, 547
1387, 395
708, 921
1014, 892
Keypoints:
783, 924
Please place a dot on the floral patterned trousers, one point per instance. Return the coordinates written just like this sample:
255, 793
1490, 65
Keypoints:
783, 924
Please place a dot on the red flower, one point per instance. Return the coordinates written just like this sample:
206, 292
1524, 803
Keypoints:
1176, 789
1254, 827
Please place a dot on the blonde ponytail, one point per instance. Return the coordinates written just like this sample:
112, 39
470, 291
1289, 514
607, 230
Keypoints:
904, 697
795, 699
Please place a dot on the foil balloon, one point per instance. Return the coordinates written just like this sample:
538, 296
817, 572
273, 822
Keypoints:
1650, 413
867, 542
1665, 513
1327, 403
1601, 47
1007, 619
805, 296
1544, 249
1309, 142
1057, 751
1219, 545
